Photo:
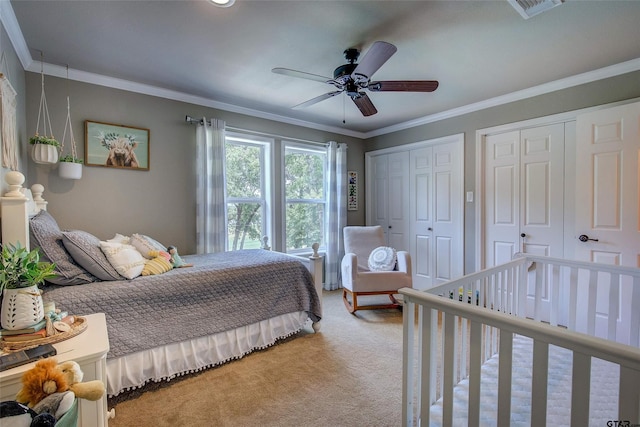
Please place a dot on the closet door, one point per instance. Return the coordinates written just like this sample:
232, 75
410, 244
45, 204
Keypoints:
524, 193
542, 190
398, 208
607, 205
436, 214
502, 198
390, 204
524, 205
416, 194
422, 245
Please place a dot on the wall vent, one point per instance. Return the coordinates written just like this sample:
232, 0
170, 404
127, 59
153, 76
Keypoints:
529, 8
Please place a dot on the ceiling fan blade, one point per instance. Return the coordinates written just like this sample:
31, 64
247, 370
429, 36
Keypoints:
365, 105
404, 86
318, 99
377, 55
301, 74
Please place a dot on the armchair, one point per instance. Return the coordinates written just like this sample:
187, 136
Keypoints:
358, 280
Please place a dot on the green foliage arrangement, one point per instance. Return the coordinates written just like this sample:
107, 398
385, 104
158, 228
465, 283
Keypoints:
20, 268
40, 139
70, 159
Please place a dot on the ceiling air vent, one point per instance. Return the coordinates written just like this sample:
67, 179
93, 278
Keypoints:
529, 8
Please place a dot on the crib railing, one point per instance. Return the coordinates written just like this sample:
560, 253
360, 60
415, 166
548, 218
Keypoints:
463, 323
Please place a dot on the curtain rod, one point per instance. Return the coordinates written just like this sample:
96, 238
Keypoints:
193, 121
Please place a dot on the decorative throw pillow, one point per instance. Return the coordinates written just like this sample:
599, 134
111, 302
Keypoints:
45, 234
156, 265
119, 238
127, 261
382, 258
145, 244
85, 249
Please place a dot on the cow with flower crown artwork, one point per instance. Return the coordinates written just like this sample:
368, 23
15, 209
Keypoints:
121, 150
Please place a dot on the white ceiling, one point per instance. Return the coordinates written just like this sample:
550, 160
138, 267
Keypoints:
482, 52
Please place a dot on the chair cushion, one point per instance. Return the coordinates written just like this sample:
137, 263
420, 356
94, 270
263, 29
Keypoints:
382, 258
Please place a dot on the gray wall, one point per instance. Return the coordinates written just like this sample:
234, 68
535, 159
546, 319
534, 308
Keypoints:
13, 70
605, 91
159, 202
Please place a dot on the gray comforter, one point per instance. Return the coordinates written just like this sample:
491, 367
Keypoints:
222, 291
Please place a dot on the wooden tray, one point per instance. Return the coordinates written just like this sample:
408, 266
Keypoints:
78, 327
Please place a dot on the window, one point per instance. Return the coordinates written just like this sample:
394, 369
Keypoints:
255, 189
305, 200
247, 213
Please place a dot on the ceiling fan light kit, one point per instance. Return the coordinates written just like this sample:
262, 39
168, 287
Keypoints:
354, 78
223, 3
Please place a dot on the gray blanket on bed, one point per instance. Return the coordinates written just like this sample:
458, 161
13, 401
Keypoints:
222, 291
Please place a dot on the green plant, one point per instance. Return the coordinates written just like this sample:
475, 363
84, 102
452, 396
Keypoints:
70, 159
40, 139
20, 268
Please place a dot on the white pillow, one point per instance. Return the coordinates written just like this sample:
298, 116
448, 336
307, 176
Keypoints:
145, 244
382, 258
127, 261
119, 238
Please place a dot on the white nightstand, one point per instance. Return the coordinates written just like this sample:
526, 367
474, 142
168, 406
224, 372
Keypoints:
90, 350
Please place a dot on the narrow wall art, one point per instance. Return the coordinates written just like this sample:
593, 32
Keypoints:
352, 191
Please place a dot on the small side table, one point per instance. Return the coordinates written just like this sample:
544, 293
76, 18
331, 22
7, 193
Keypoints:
89, 349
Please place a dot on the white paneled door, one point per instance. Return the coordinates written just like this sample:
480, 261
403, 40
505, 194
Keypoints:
607, 220
398, 225
390, 204
416, 195
436, 212
524, 196
524, 193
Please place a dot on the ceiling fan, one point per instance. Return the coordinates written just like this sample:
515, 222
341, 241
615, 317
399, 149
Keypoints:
354, 78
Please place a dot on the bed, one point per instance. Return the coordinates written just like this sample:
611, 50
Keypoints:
529, 342
180, 321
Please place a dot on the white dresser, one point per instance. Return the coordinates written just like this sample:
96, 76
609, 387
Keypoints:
89, 349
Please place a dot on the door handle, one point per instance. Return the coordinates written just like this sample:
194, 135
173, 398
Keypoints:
429, 229
585, 238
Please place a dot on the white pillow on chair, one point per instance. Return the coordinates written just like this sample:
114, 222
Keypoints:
382, 258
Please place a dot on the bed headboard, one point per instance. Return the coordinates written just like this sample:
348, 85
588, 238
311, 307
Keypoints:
17, 206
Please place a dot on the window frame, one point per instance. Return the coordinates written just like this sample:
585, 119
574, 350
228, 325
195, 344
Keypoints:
266, 172
308, 148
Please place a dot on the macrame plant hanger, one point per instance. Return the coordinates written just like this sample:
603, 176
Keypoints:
44, 148
70, 166
8, 119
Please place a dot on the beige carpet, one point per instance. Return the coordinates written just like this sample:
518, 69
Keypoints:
349, 374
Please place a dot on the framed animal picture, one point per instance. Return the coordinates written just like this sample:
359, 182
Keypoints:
116, 146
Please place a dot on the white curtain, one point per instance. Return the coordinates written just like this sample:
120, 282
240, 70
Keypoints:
211, 216
337, 213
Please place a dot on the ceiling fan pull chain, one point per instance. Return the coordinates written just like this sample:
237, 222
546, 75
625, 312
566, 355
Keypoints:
344, 114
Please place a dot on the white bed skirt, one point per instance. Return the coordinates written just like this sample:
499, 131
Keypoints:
174, 360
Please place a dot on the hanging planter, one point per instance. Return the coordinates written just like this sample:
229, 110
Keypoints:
45, 149
70, 165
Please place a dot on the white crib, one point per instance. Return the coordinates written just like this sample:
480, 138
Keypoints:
455, 332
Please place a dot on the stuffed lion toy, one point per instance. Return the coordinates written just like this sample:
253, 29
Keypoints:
48, 377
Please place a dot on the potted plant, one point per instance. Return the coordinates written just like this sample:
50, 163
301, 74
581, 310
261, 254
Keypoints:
21, 274
70, 167
44, 149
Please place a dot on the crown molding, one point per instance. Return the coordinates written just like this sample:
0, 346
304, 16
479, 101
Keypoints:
11, 26
588, 77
